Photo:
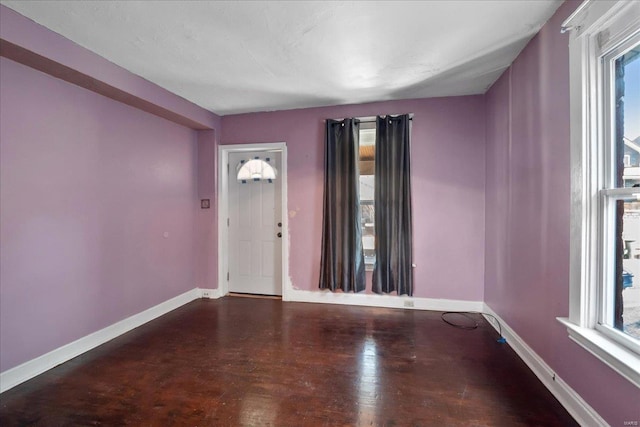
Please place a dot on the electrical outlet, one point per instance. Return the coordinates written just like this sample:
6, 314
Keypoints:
205, 294
408, 303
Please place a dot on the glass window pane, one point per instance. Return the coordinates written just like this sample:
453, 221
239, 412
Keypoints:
255, 170
367, 214
367, 183
627, 118
627, 270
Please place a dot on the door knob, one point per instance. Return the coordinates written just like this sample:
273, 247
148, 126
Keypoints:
279, 234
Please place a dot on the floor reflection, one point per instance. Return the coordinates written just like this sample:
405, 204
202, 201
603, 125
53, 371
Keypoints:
368, 392
258, 410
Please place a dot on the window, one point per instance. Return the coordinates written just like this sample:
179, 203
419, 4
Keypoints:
367, 185
255, 169
619, 211
605, 160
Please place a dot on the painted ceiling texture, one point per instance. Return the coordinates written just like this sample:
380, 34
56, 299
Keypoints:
239, 56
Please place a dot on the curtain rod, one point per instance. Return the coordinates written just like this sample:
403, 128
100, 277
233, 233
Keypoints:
570, 23
371, 119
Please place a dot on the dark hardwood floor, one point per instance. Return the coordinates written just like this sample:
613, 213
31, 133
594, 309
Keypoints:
255, 362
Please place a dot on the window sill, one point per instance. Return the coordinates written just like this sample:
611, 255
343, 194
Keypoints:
619, 358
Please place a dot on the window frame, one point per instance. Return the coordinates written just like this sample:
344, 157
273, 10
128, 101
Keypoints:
597, 29
609, 193
367, 124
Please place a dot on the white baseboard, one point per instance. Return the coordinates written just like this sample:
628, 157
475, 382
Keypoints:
584, 414
389, 301
210, 293
573, 403
34, 367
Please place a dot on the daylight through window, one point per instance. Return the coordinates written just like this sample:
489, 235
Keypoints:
604, 310
367, 184
621, 213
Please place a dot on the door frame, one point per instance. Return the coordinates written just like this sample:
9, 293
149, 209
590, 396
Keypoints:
223, 210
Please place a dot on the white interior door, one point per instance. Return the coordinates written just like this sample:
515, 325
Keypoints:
255, 229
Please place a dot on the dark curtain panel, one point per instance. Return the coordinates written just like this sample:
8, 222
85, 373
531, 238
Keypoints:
392, 202
342, 262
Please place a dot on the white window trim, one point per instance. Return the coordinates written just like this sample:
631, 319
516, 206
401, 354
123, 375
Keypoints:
589, 26
368, 123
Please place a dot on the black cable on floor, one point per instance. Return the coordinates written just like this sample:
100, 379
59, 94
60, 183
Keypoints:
474, 325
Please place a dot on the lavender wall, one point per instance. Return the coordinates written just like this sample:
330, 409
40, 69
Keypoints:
89, 186
527, 199
207, 227
448, 186
24, 32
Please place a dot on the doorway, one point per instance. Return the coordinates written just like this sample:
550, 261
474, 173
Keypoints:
252, 221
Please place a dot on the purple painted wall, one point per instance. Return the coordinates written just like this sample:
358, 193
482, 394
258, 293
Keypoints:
527, 199
448, 182
207, 253
24, 32
84, 209
89, 186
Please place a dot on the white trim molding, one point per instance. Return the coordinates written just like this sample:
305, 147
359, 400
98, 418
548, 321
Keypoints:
388, 301
617, 357
34, 367
573, 403
223, 210
210, 293
597, 28
580, 410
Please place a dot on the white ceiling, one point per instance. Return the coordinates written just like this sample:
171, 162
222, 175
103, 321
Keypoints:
233, 57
